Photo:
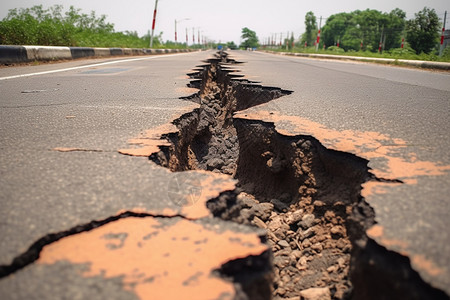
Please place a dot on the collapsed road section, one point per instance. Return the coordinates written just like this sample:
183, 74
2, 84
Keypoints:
306, 196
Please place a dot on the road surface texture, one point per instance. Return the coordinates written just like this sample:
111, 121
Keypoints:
273, 177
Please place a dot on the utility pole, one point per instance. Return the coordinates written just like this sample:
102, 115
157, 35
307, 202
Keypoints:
381, 41
193, 36
293, 40
287, 41
442, 36
175, 31
153, 24
187, 38
318, 34
198, 36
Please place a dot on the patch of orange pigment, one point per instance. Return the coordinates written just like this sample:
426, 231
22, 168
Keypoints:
376, 232
366, 144
187, 90
428, 266
370, 188
149, 141
157, 261
212, 185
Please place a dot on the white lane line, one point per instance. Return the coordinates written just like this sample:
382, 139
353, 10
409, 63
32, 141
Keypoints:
90, 66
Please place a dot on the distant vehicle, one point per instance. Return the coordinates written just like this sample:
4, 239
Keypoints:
220, 47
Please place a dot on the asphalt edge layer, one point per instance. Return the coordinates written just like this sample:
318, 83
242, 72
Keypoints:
370, 281
24, 54
413, 63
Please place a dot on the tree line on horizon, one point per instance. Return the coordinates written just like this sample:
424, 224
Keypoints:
366, 30
354, 31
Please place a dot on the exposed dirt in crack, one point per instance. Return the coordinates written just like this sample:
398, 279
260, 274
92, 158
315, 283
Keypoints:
299, 191
306, 196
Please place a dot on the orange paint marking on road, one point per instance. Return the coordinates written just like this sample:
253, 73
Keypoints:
212, 185
157, 260
366, 144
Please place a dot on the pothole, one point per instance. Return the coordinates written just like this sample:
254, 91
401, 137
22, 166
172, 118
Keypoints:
306, 196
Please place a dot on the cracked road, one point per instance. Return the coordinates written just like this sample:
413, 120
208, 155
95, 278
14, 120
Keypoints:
60, 168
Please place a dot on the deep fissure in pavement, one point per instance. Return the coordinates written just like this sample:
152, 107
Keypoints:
308, 198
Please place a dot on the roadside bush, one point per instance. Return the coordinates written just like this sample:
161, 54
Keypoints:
336, 49
52, 27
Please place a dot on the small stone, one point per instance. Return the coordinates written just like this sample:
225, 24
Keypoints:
296, 254
286, 278
280, 233
214, 163
247, 201
318, 203
262, 210
316, 294
307, 221
332, 269
283, 243
317, 247
307, 233
260, 223
306, 243
275, 223
341, 262
280, 291
281, 261
306, 145
338, 230
341, 244
303, 261
294, 217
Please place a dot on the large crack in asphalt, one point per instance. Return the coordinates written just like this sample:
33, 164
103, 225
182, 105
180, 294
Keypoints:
306, 196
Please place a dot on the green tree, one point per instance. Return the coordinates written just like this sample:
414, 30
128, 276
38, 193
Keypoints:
310, 29
335, 28
52, 27
232, 45
250, 38
423, 31
365, 27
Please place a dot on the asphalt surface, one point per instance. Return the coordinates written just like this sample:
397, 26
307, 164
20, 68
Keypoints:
398, 119
60, 169
98, 108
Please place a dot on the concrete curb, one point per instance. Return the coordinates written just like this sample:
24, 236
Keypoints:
21, 54
415, 63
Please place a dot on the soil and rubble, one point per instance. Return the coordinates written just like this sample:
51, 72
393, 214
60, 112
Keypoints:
279, 184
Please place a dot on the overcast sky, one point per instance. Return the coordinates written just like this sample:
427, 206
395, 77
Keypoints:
223, 20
